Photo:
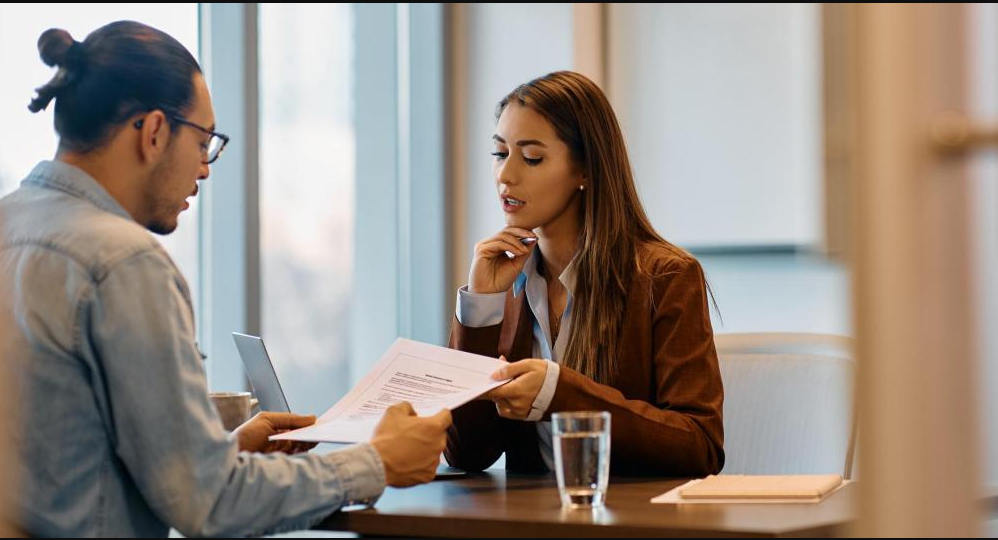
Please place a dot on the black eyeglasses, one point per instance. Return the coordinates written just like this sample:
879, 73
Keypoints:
209, 151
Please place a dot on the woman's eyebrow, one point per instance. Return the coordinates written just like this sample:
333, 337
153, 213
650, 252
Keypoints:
525, 142
531, 142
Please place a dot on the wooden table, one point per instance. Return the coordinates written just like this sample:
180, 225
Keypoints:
499, 504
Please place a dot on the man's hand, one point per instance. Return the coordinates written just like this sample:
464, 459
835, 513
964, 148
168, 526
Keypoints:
253, 435
410, 446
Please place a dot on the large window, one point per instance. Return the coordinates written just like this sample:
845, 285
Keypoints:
26, 139
307, 196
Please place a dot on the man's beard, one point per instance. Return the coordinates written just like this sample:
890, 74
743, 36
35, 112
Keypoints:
163, 216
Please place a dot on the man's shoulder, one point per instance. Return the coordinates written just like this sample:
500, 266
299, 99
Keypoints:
113, 240
70, 227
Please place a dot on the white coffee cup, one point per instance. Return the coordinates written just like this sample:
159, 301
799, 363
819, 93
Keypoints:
234, 408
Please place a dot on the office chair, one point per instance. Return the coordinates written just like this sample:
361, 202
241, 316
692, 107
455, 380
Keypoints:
788, 403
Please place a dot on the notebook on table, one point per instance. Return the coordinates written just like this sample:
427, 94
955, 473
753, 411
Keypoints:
736, 486
754, 489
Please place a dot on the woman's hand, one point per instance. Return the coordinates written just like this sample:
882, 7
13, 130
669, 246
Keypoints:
492, 271
514, 399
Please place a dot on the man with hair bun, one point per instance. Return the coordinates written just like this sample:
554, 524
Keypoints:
113, 425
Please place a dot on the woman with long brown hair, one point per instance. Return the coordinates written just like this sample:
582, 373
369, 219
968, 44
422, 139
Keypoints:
594, 310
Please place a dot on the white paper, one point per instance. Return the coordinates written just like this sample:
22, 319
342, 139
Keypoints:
672, 497
429, 377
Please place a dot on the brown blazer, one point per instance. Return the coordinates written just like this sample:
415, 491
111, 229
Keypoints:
665, 402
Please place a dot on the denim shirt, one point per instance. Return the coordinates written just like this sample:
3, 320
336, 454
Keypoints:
114, 430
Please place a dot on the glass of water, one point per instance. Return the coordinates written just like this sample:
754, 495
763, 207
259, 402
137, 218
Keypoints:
582, 457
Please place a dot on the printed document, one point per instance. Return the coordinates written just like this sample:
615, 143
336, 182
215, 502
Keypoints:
429, 377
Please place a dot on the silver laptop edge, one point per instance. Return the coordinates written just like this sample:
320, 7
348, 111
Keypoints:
261, 374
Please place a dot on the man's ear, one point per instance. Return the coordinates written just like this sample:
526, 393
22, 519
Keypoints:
154, 135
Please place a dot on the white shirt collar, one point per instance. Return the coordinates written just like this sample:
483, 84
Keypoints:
529, 273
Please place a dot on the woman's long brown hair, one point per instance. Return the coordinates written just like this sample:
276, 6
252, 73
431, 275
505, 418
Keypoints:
614, 222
